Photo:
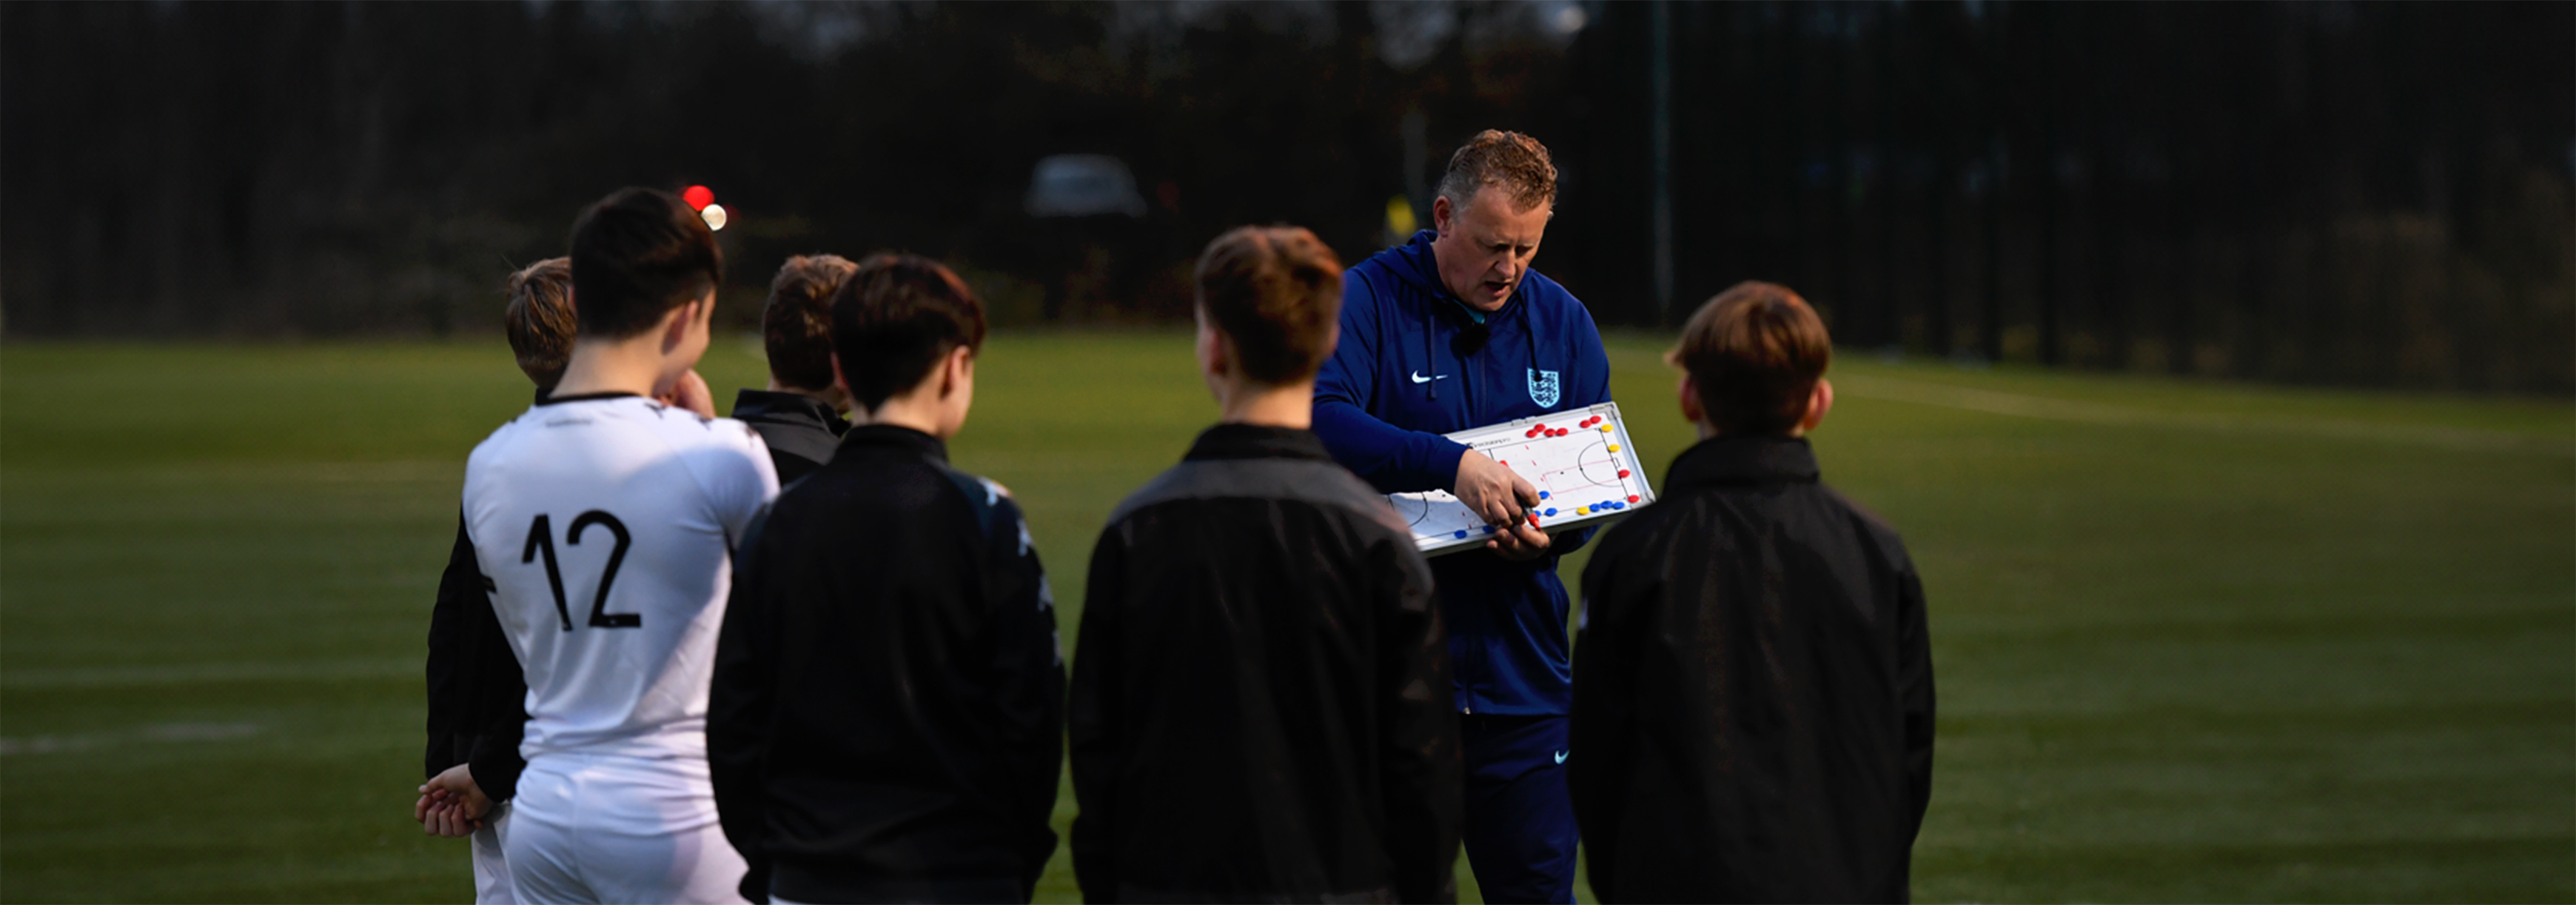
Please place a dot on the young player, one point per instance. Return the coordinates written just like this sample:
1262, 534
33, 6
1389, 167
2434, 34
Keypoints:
540, 322
605, 521
1261, 695
889, 694
1455, 330
1755, 715
477, 694
800, 413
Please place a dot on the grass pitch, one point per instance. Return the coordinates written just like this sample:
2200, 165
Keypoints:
2194, 642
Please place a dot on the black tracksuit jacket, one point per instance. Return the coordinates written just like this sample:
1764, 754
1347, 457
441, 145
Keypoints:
1261, 693
478, 697
800, 430
886, 721
1753, 702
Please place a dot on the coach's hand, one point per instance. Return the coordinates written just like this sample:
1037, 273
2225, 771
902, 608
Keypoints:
1520, 541
1493, 492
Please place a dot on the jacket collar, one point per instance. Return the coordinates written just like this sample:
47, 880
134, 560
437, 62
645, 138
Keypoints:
887, 438
1254, 441
1765, 459
788, 408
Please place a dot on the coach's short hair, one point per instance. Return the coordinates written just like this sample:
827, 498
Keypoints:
636, 255
1277, 292
893, 320
539, 319
796, 325
1756, 352
1510, 161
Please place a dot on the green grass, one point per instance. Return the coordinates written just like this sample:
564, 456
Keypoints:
2194, 642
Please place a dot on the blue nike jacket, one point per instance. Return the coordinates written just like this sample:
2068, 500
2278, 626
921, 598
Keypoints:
1415, 363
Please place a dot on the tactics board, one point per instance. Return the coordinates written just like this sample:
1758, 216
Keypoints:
1580, 460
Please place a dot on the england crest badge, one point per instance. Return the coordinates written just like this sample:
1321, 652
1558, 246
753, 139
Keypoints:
1543, 388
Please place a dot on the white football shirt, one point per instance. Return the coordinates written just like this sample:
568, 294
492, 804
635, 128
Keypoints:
607, 526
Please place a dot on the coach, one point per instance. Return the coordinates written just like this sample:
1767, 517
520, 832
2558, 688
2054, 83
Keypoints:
1450, 331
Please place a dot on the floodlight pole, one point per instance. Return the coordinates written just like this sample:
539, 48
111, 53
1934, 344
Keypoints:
1662, 56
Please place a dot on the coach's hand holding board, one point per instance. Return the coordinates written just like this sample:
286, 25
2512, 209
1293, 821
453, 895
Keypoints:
1504, 499
1584, 468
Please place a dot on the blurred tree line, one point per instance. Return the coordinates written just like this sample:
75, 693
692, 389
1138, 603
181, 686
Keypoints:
2364, 193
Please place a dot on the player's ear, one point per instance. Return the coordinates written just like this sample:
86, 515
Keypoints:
956, 371
841, 382
1211, 358
1692, 411
1819, 400
674, 326
677, 322
1441, 212
1228, 358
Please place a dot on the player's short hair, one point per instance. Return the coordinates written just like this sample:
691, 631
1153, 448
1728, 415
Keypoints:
539, 319
1510, 161
796, 325
1756, 352
636, 255
893, 320
1277, 292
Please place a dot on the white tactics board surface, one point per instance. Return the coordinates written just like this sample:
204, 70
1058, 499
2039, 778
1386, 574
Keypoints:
1586, 472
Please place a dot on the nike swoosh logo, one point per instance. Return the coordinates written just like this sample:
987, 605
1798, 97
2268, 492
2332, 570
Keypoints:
1418, 378
1560, 756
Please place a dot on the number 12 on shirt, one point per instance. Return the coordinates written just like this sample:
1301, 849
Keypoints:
541, 538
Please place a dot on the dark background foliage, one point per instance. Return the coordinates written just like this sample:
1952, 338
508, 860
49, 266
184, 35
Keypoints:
2362, 193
